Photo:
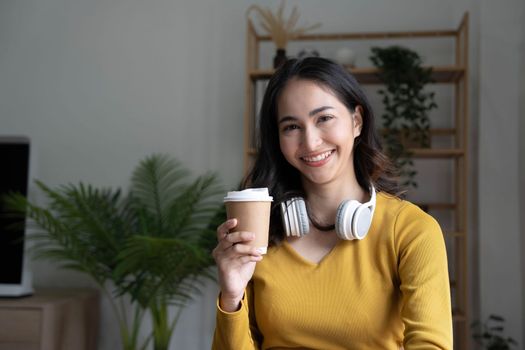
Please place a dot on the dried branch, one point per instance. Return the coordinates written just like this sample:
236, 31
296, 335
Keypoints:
281, 30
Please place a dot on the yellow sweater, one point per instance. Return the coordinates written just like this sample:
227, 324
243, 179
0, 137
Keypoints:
388, 290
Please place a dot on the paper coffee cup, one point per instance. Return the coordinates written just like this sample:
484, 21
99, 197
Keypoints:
251, 207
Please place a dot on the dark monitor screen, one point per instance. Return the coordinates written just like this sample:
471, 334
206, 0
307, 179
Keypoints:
14, 165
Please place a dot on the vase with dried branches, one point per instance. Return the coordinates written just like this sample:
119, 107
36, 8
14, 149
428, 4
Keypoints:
280, 29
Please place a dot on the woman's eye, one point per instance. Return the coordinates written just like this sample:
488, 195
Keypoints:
325, 118
290, 127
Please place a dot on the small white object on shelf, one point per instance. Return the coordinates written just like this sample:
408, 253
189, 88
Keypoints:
345, 56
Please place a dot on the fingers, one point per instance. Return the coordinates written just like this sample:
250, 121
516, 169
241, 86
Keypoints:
238, 237
250, 258
225, 227
237, 244
227, 239
235, 255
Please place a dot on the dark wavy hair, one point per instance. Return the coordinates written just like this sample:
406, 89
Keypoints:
271, 168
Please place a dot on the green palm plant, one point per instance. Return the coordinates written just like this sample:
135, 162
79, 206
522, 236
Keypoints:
151, 246
174, 220
82, 229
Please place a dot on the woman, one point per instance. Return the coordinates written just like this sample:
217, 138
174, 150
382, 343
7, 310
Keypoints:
323, 284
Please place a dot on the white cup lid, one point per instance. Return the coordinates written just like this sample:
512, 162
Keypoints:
249, 195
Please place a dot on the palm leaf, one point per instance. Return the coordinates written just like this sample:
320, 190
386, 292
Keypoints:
155, 183
192, 211
159, 268
82, 228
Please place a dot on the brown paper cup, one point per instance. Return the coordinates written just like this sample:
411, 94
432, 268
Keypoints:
252, 216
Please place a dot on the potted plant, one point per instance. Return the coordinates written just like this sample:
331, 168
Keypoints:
151, 247
407, 105
489, 334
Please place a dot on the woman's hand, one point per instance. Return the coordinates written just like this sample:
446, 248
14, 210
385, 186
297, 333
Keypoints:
236, 263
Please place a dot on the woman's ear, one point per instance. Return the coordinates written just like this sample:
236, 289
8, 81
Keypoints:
357, 117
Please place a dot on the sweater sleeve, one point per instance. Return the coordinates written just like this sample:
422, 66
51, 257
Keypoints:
237, 330
424, 283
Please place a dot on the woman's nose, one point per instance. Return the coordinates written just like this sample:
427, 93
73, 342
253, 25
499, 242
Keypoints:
311, 139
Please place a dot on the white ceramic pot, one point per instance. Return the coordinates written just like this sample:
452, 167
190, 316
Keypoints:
345, 56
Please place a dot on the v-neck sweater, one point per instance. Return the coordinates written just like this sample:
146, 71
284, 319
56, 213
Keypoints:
390, 289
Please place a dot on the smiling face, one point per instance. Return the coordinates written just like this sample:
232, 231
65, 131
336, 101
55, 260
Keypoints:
317, 132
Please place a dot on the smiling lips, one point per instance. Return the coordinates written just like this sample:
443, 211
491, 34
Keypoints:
318, 160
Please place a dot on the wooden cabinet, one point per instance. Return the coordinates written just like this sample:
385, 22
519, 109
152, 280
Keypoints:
454, 76
58, 319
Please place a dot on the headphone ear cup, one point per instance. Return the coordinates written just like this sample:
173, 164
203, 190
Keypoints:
286, 217
295, 217
344, 219
302, 217
361, 221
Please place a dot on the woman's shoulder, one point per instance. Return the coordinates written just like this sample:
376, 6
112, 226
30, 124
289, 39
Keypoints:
402, 211
411, 227
389, 205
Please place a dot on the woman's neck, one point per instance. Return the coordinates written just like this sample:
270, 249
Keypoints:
324, 199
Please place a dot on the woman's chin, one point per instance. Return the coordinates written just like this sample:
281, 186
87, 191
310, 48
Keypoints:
318, 179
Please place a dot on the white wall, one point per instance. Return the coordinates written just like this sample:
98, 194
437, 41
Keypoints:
521, 158
499, 203
97, 85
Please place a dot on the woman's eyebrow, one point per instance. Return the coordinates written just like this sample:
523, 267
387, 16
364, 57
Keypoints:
318, 110
311, 114
287, 119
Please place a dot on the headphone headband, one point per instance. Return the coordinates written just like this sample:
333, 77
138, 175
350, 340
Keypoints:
372, 202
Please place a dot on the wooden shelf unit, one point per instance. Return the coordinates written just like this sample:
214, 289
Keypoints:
369, 75
455, 76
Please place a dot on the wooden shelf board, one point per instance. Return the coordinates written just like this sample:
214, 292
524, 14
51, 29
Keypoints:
458, 315
369, 35
442, 131
440, 74
437, 153
455, 233
433, 131
436, 206
260, 74
369, 75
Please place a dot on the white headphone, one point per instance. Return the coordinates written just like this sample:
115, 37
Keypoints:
352, 221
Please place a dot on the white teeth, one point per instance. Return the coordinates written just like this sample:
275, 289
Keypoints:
318, 157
